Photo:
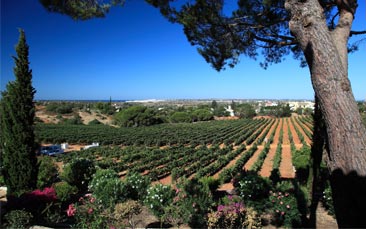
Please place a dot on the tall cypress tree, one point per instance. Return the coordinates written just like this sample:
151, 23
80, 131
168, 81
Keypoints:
17, 131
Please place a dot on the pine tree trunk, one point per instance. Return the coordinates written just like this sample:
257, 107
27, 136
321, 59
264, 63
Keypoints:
326, 55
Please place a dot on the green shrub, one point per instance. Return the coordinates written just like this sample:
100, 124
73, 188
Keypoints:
64, 191
284, 209
327, 199
136, 186
158, 197
195, 198
301, 161
18, 219
253, 187
47, 172
76, 120
107, 188
212, 183
78, 173
88, 213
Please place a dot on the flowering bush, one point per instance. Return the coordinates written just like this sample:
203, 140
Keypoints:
158, 197
136, 186
107, 187
253, 187
42, 204
48, 194
327, 199
284, 209
88, 213
229, 215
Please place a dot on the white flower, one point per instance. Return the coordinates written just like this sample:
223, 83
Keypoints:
151, 206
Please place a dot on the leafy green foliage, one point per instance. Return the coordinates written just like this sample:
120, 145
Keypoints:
105, 108
180, 116
64, 190
136, 186
60, 108
18, 219
278, 111
107, 188
327, 199
252, 187
245, 110
78, 173
158, 197
88, 213
202, 115
135, 116
76, 120
47, 172
17, 111
80, 9
301, 161
284, 206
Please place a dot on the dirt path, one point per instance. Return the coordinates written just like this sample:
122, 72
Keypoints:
307, 140
268, 161
286, 140
165, 180
295, 137
286, 167
253, 159
323, 219
232, 162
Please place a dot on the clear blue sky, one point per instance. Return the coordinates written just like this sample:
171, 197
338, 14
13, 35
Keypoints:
134, 53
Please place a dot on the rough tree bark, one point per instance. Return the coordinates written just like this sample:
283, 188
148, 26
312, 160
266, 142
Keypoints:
326, 55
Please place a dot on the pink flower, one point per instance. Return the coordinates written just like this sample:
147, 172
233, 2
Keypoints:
177, 190
282, 213
277, 211
220, 208
287, 206
281, 202
176, 199
90, 210
81, 199
286, 194
194, 204
71, 210
230, 197
92, 200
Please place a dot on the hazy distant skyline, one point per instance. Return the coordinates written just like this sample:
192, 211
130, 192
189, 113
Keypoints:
135, 54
